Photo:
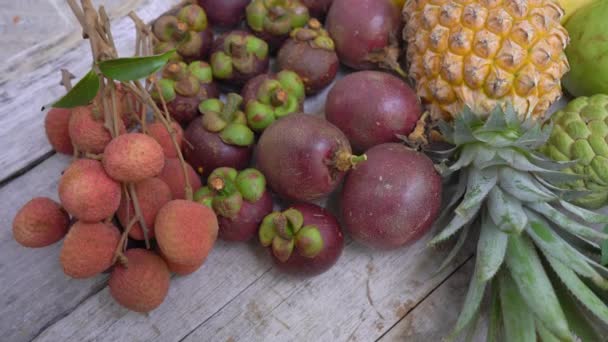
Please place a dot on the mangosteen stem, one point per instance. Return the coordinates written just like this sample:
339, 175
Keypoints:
281, 226
233, 102
180, 31
278, 97
345, 161
217, 184
238, 49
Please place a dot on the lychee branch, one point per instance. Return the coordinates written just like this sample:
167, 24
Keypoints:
139, 214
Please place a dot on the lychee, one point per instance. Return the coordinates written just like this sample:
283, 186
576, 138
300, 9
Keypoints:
87, 192
152, 194
143, 283
186, 231
87, 130
159, 132
181, 269
133, 157
88, 249
56, 125
40, 222
173, 175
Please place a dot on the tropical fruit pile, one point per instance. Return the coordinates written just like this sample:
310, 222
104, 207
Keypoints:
446, 110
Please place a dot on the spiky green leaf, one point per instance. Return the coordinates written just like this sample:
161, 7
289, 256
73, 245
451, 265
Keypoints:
552, 245
495, 319
586, 215
544, 333
605, 249
545, 163
134, 68
462, 238
471, 304
480, 182
454, 226
517, 317
580, 290
523, 186
495, 121
82, 93
466, 157
484, 158
534, 285
566, 223
506, 212
491, 249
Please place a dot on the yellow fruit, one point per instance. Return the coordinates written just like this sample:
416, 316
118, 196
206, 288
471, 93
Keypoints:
571, 6
486, 52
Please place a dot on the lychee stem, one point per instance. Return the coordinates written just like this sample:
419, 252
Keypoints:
122, 244
139, 213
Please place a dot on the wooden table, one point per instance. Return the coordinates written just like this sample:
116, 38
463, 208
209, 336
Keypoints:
236, 295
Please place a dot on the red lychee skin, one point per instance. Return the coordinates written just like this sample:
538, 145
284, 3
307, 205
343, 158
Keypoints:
56, 125
173, 175
152, 194
186, 231
87, 130
143, 283
88, 249
87, 192
40, 222
182, 269
133, 157
158, 131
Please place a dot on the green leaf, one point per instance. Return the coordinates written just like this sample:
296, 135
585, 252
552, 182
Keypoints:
580, 290
495, 319
604, 260
134, 68
544, 334
480, 182
485, 158
523, 186
587, 215
543, 162
466, 157
534, 285
552, 245
491, 249
566, 223
82, 93
506, 212
454, 252
517, 317
471, 305
454, 226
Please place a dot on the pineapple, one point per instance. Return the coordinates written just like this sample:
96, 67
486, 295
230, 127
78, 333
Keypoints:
541, 265
485, 52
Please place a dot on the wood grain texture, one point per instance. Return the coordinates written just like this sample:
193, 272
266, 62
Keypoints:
30, 79
433, 319
237, 297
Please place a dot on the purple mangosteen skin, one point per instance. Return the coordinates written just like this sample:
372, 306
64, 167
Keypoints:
295, 153
224, 13
245, 225
390, 108
392, 199
333, 243
184, 109
206, 150
317, 8
261, 65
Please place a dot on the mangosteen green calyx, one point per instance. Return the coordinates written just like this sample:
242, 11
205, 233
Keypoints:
188, 32
238, 56
183, 87
285, 232
272, 20
227, 120
239, 199
271, 97
310, 52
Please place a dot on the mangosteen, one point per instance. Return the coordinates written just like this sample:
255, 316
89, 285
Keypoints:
311, 54
238, 56
188, 32
240, 200
224, 13
220, 137
272, 20
269, 97
304, 239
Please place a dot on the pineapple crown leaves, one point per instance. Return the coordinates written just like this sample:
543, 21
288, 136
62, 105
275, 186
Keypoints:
508, 189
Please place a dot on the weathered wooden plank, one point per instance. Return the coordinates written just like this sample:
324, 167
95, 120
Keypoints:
361, 297
434, 318
31, 80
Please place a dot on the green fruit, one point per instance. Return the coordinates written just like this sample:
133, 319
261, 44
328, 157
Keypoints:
588, 51
579, 134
